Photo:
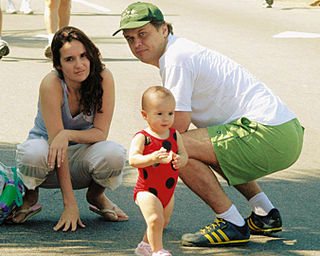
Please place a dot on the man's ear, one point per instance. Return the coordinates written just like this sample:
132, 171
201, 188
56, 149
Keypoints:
165, 30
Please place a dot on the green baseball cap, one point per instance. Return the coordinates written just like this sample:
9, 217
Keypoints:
139, 14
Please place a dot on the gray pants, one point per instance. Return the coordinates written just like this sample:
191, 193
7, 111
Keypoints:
101, 162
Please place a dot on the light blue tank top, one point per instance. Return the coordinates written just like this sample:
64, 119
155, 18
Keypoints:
79, 122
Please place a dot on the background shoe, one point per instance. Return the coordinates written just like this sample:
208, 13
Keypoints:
4, 48
47, 52
27, 11
11, 9
25, 8
219, 233
265, 225
143, 249
269, 3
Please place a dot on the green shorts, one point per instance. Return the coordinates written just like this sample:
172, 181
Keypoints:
247, 150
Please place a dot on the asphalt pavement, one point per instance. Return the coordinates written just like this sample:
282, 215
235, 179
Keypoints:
280, 45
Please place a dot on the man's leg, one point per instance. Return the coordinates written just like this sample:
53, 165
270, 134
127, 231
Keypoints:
201, 154
249, 190
265, 218
230, 227
203, 182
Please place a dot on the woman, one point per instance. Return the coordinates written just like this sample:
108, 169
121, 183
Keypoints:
67, 146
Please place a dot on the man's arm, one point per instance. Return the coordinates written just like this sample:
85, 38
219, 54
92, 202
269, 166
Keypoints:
182, 121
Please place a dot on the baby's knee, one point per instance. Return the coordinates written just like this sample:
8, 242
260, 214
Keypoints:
155, 221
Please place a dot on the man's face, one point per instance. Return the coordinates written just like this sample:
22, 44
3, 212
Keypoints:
147, 43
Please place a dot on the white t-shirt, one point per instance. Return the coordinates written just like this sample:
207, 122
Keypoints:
215, 88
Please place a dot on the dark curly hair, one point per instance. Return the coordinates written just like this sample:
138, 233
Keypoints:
91, 90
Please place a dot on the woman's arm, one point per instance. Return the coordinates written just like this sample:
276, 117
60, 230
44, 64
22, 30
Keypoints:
51, 98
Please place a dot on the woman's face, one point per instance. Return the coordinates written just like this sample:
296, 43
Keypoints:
75, 65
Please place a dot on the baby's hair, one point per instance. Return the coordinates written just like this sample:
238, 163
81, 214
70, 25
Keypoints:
157, 90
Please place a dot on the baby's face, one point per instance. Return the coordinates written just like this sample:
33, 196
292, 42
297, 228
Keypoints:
160, 114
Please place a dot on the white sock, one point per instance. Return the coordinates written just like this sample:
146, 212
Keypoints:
232, 215
260, 204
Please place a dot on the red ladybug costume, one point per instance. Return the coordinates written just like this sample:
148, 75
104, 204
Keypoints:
158, 179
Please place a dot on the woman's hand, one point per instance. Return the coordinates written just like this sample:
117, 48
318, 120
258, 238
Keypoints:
58, 149
70, 219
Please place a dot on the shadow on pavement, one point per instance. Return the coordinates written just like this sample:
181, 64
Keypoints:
295, 195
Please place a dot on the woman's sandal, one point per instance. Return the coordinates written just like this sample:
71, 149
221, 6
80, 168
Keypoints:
114, 214
27, 213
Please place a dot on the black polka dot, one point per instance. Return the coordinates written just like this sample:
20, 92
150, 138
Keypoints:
147, 140
170, 182
145, 174
153, 191
167, 145
175, 136
156, 164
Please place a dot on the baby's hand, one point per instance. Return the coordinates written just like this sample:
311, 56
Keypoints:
176, 161
168, 157
160, 156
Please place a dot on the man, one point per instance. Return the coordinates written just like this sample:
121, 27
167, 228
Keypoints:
243, 130
4, 48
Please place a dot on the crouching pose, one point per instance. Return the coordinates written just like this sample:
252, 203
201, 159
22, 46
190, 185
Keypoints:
68, 148
243, 130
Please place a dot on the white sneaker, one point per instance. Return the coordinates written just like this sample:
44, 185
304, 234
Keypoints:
27, 11
11, 9
162, 252
143, 249
25, 7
